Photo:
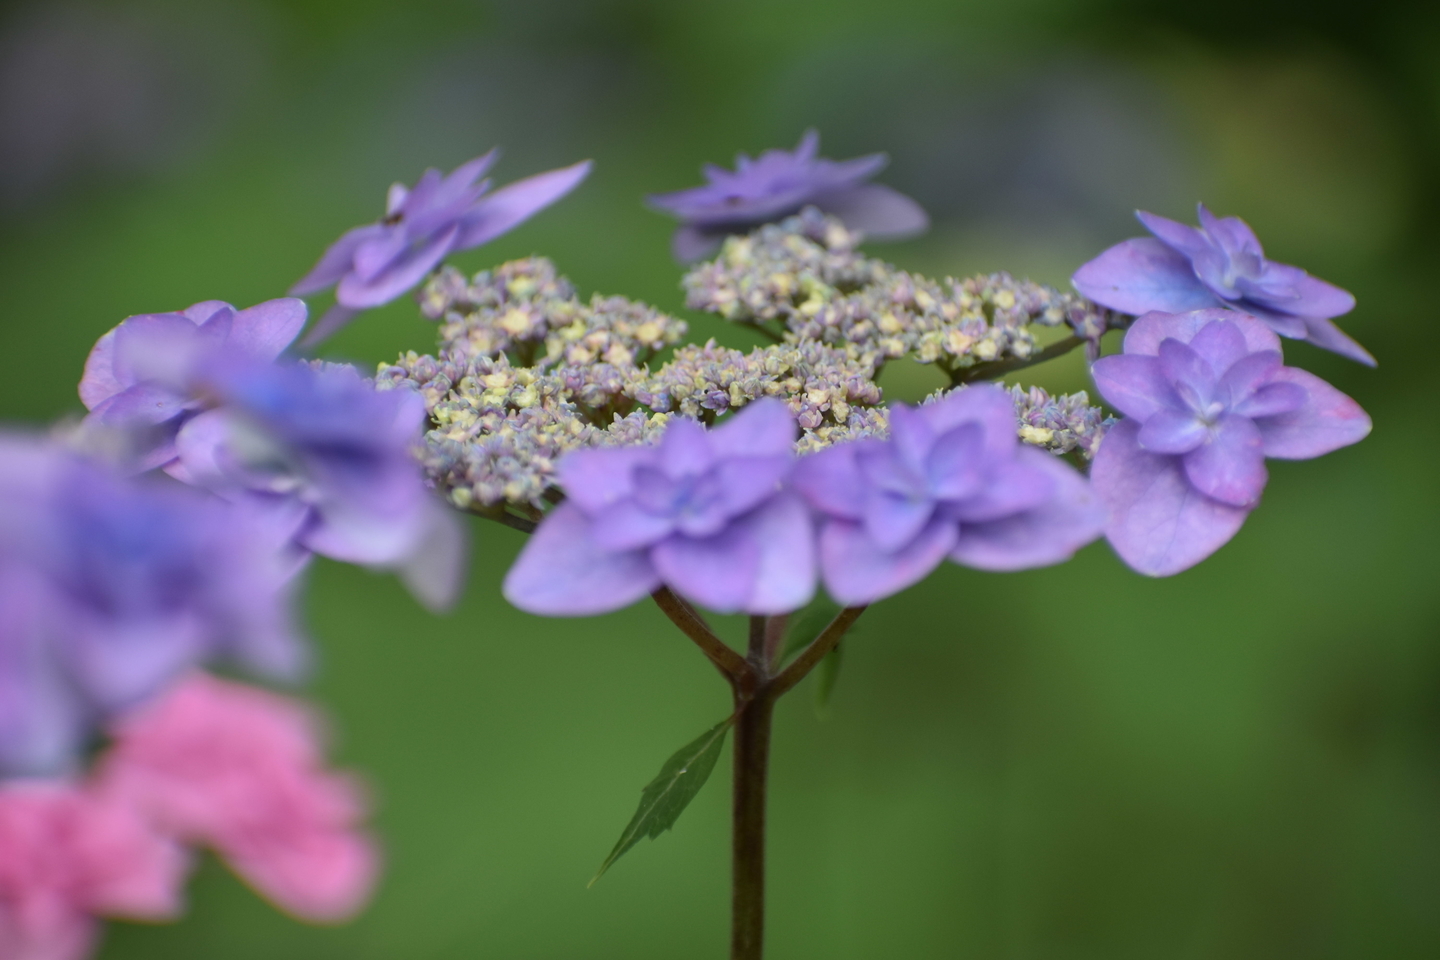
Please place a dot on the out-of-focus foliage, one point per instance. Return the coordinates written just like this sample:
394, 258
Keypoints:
1243, 761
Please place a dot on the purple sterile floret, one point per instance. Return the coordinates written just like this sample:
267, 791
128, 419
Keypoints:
110, 587
705, 512
1206, 400
321, 448
1219, 264
135, 372
952, 481
372, 265
779, 183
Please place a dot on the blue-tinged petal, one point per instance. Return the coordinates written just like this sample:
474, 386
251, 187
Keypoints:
786, 573
1231, 233
1221, 343
1141, 275
517, 202
1284, 324
563, 572
626, 525
1193, 379
684, 449
1158, 523
156, 346
1172, 432
99, 381
1134, 385
1271, 400
1180, 237
892, 521
717, 572
1247, 375
1230, 465
875, 210
1328, 420
764, 428
1321, 299
266, 329
984, 403
955, 465
857, 571
745, 482
911, 437
1012, 486
596, 477
397, 277
1070, 517
830, 479
1326, 335
334, 320
338, 260
1146, 333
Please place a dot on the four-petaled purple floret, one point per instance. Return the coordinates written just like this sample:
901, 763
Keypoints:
779, 183
952, 481
1206, 400
703, 511
372, 265
1220, 264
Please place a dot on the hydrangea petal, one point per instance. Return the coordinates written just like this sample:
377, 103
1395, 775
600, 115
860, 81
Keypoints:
266, 329
1047, 534
1221, 343
764, 428
595, 477
517, 202
857, 571
1327, 421
1159, 524
830, 479
1172, 432
1146, 333
563, 572
1134, 385
410, 269
99, 381
1141, 275
1324, 333
786, 573
876, 210
1230, 466
718, 572
693, 242
337, 261
1180, 237
892, 520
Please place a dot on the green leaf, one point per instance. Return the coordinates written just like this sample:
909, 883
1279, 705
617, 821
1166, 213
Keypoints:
666, 797
826, 674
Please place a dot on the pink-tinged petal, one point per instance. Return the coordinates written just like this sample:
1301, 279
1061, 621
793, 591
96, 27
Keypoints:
875, 210
1321, 299
1180, 237
1172, 432
1142, 275
786, 573
1050, 533
692, 242
266, 329
893, 520
1146, 333
1221, 343
563, 572
857, 571
718, 571
1134, 385
321, 875
99, 381
331, 322
398, 277
596, 477
625, 525
764, 428
1230, 465
830, 479
435, 570
1158, 523
1326, 335
1327, 421
516, 202
337, 261
985, 404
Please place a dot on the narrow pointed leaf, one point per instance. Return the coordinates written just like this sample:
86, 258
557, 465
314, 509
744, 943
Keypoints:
826, 675
666, 797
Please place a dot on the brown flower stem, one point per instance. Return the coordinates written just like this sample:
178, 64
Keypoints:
727, 661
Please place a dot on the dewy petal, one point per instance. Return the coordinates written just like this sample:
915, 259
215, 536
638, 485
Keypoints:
786, 574
763, 428
718, 572
1326, 335
1142, 275
337, 261
1230, 465
856, 571
563, 572
1159, 524
1146, 333
875, 210
358, 294
516, 202
266, 329
830, 479
1134, 385
1172, 432
1327, 421
1046, 534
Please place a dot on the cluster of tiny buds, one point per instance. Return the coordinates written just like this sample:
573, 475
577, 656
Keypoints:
805, 275
527, 372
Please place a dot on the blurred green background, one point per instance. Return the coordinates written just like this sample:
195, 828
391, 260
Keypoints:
1239, 762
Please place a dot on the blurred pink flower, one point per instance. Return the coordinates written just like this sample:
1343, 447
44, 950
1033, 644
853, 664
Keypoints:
239, 769
67, 856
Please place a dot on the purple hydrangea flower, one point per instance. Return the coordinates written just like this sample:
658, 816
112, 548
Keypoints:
324, 449
952, 481
372, 265
779, 183
110, 587
1206, 400
134, 375
1220, 264
704, 512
